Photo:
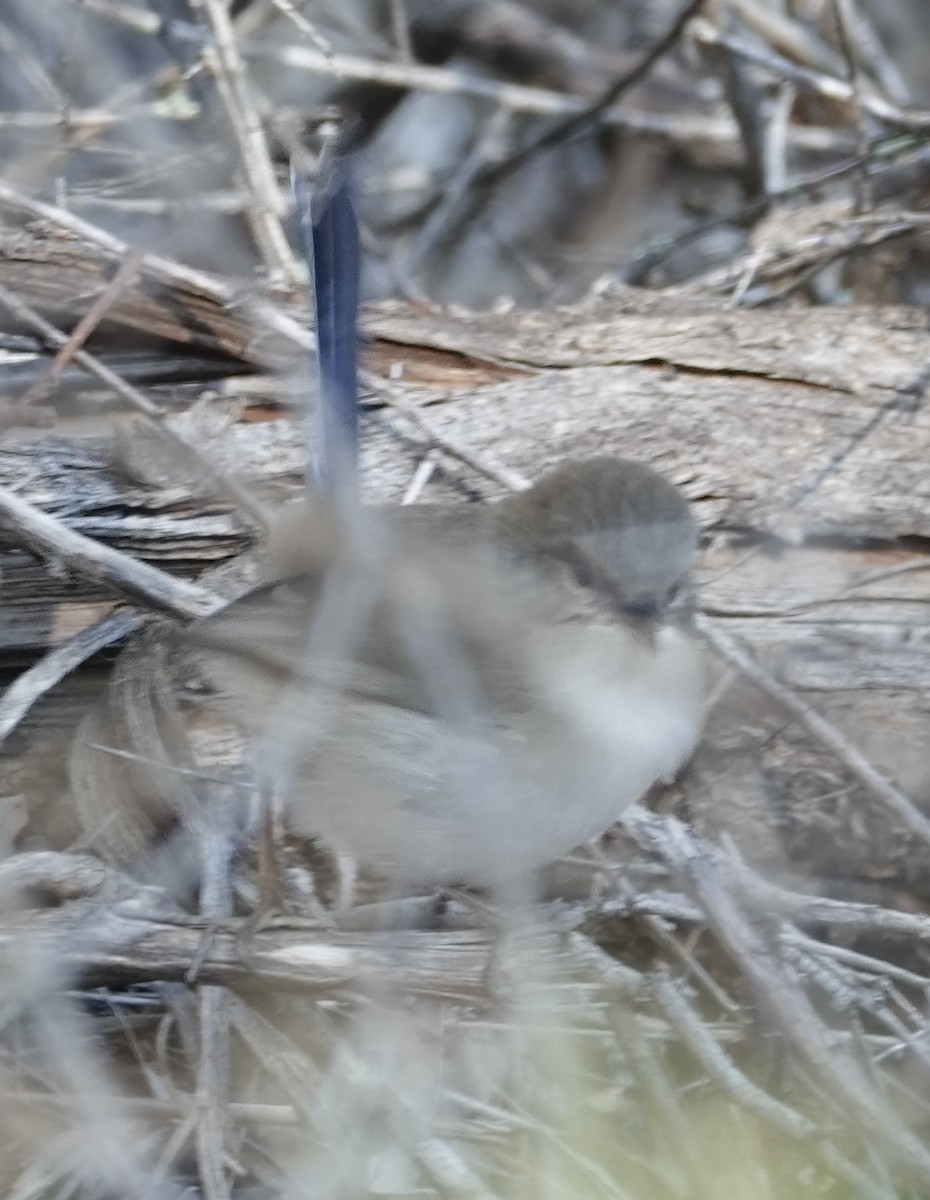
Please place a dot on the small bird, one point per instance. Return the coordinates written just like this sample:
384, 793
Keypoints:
463, 694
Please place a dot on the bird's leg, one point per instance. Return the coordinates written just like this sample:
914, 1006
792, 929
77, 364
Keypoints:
270, 894
509, 912
271, 899
279, 902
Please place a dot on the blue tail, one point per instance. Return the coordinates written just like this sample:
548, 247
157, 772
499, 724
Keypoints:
331, 243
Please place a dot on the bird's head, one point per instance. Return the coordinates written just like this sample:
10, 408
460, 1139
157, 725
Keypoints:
617, 526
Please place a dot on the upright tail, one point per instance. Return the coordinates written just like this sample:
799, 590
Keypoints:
331, 242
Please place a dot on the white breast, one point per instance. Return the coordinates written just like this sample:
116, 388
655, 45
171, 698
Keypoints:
424, 801
630, 715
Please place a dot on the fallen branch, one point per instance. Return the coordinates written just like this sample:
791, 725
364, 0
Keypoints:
130, 579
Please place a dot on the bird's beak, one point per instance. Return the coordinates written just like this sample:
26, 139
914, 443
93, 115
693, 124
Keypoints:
645, 610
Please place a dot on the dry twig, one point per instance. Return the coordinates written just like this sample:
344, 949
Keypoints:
819, 727
120, 573
264, 213
33, 683
138, 401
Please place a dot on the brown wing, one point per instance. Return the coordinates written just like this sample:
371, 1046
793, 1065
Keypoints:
428, 626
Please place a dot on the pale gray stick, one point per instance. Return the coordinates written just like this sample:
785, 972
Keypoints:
35, 681
264, 213
828, 735
722, 1070
139, 401
166, 270
213, 1003
778, 994
50, 538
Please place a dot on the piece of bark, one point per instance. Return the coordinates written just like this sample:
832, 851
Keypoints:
744, 448
851, 349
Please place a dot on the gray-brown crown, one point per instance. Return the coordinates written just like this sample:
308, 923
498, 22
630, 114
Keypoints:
619, 526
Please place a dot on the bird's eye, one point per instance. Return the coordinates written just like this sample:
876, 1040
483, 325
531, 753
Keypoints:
680, 597
643, 606
583, 574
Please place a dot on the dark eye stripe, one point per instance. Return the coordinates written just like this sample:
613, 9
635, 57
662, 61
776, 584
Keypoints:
583, 574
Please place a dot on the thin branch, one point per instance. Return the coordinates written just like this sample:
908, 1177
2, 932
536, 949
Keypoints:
454, 202
136, 400
695, 1034
812, 81
300, 21
819, 727
265, 315
683, 127
877, 967
785, 1003
483, 463
775, 147
127, 577
594, 113
213, 1005
180, 1104
843, 18
892, 150
876, 59
264, 214
421, 477
125, 276
32, 684
400, 28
